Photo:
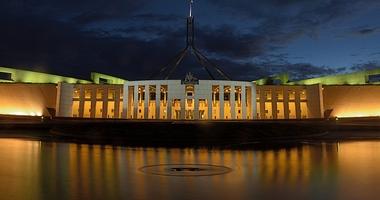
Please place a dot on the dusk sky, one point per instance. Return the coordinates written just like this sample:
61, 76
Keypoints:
249, 39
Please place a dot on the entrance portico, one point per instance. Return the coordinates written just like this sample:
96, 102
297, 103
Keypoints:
201, 100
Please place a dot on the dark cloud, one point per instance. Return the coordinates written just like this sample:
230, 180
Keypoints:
227, 41
366, 66
121, 38
150, 17
365, 30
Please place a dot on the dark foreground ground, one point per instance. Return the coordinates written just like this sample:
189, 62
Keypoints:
188, 133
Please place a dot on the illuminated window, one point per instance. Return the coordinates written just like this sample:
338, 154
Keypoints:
99, 93
111, 94
189, 90
292, 95
257, 95
268, 95
303, 95
280, 95
87, 93
76, 93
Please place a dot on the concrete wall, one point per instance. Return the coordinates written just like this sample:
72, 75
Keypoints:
315, 101
64, 100
27, 99
352, 101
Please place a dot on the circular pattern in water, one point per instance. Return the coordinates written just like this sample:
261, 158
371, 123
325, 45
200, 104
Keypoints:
185, 170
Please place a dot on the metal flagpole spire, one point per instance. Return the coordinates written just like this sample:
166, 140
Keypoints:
210, 67
191, 8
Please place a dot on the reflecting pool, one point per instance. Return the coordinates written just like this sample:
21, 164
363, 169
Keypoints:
44, 170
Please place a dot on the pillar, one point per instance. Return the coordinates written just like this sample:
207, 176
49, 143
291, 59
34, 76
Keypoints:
135, 101
232, 102
158, 101
196, 108
221, 101
125, 102
93, 103
81, 102
146, 102
298, 104
262, 103
117, 104
286, 104
169, 103
209, 103
244, 102
253, 102
105, 103
183, 106
274, 103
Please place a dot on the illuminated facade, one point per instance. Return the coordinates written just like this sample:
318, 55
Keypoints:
25, 92
110, 97
204, 100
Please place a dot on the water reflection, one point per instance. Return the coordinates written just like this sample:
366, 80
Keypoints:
41, 170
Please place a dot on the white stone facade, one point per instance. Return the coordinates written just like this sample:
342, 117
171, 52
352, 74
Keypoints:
172, 99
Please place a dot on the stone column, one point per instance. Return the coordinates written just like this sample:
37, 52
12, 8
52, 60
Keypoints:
81, 102
93, 103
117, 103
105, 103
125, 113
274, 103
158, 101
135, 101
169, 107
262, 103
209, 106
298, 104
209, 103
183, 106
232, 102
146, 102
244, 102
253, 102
196, 108
221, 101
286, 103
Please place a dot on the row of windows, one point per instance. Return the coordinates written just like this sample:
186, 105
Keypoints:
280, 95
111, 93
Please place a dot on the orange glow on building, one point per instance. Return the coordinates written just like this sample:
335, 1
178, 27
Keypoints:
27, 99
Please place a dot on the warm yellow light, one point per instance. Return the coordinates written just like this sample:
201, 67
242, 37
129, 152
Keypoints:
359, 114
17, 112
21, 113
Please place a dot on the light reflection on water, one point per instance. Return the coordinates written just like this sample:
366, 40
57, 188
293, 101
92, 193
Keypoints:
42, 170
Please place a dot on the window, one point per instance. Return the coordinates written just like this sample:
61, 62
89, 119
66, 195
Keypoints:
226, 96
103, 81
111, 94
6, 76
87, 94
152, 96
374, 78
99, 93
303, 95
292, 95
76, 94
280, 95
268, 95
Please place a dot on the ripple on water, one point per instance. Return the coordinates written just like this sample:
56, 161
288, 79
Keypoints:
185, 170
